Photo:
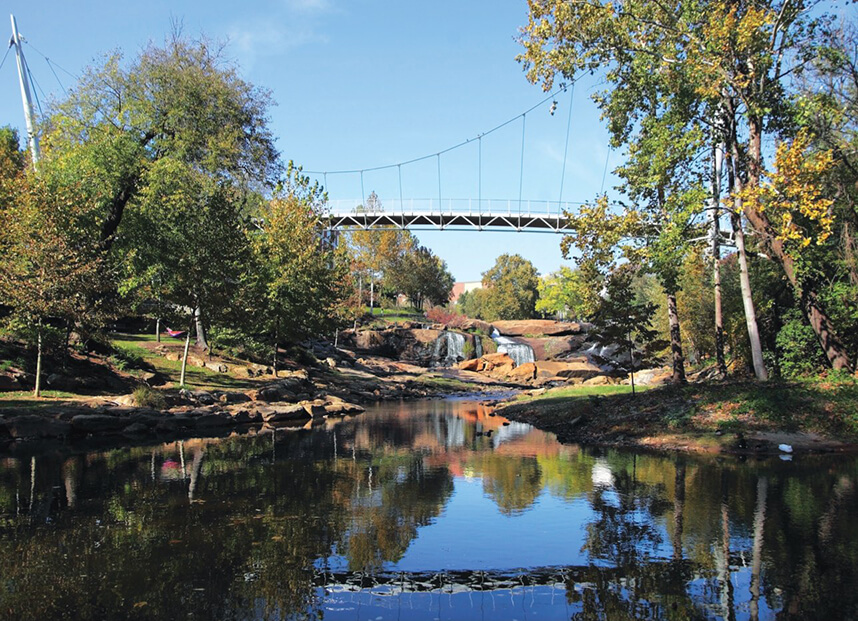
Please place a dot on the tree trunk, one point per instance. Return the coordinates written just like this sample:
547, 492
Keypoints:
158, 330
37, 391
675, 341
715, 234
185, 355
734, 187
829, 341
371, 296
201, 330
276, 342
678, 510
757, 549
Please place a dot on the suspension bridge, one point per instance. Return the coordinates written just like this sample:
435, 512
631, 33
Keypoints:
452, 214
437, 213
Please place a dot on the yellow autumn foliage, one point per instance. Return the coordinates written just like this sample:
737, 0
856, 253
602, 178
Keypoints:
792, 196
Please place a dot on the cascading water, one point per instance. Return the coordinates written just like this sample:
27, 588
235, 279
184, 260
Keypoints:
519, 352
449, 349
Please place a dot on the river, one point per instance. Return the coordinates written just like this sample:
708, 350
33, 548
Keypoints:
427, 510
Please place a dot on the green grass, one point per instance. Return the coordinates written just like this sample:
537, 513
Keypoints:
444, 383
195, 377
24, 399
571, 392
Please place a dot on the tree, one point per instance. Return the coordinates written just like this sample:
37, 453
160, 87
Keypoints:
565, 293
47, 273
421, 276
735, 58
510, 289
376, 251
175, 126
303, 277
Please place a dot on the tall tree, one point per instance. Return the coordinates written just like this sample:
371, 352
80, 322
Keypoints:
422, 277
510, 289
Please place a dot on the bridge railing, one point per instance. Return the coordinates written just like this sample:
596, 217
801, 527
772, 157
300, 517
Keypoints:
457, 206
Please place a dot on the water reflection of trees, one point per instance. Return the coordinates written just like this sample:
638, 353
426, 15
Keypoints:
242, 527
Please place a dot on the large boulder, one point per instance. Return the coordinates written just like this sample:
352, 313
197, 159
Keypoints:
554, 347
538, 327
7, 383
98, 423
579, 369
276, 413
33, 426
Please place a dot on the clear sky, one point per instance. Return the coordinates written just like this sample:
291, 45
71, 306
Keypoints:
365, 83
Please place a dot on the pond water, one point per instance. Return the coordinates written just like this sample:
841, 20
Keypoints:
416, 511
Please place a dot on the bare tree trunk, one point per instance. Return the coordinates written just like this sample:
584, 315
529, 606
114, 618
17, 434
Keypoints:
276, 342
757, 550
185, 354
201, 331
678, 510
371, 296
734, 186
675, 341
37, 392
715, 234
158, 330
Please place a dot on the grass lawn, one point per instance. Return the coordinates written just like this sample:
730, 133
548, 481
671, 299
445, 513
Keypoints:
706, 415
195, 377
25, 399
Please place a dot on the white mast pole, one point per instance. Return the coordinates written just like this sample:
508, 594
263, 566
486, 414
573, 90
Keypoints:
32, 137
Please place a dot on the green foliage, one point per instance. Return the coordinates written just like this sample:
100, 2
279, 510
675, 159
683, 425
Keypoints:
421, 276
797, 346
147, 397
510, 290
623, 319
564, 293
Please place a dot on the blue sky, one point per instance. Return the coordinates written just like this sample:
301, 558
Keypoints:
360, 84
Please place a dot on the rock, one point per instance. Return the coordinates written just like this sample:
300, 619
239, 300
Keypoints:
135, 429
214, 420
274, 413
203, 397
233, 397
242, 417
578, 369
61, 382
599, 380
554, 347
314, 408
342, 408
537, 327
217, 366
33, 426
331, 362
469, 365
523, 372
9, 383
153, 378
98, 423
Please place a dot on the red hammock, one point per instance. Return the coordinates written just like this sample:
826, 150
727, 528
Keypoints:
175, 333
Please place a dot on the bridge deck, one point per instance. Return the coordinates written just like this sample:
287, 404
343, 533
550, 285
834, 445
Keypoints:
441, 221
468, 214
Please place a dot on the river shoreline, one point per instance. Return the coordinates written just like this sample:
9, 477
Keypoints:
738, 418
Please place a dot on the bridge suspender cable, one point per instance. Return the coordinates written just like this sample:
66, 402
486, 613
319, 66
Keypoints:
521, 170
566, 147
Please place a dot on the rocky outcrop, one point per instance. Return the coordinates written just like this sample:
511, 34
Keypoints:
554, 347
539, 327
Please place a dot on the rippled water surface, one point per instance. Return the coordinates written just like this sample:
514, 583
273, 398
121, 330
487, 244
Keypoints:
432, 510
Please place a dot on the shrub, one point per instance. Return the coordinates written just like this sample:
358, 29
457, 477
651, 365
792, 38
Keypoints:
147, 397
797, 346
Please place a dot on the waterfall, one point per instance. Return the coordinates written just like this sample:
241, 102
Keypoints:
519, 352
478, 346
452, 346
